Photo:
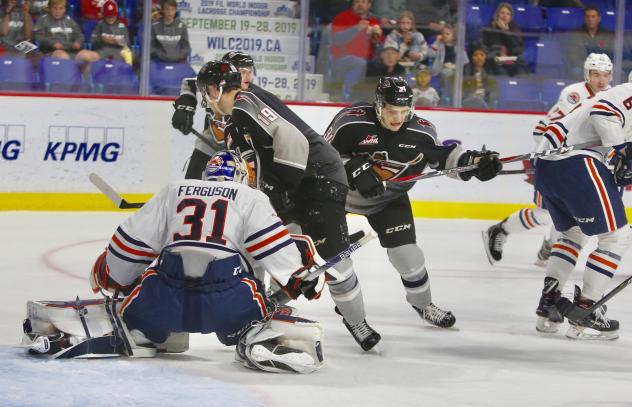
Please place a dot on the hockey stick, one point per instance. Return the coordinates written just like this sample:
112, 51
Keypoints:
515, 172
112, 194
332, 261
509, 159
201, 137
568, 309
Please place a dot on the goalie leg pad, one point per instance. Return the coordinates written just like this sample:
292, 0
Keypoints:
282, 344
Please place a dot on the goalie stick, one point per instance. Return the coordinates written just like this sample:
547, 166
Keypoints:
112, 195
204, 140
568, 309
512, 158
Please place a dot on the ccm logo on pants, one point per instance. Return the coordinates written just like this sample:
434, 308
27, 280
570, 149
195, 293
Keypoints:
398, 228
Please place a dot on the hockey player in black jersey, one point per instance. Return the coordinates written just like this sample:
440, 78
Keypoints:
214, 122
301, 173
384, 140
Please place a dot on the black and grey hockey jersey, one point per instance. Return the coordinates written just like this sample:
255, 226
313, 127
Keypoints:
214, 124
355, 131
285, 145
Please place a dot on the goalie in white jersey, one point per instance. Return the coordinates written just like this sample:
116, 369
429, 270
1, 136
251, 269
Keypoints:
186, 262
597, 75
582, 197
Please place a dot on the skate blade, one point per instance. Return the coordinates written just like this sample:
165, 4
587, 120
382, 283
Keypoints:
544, 325
486, 246
440, 328
589, 334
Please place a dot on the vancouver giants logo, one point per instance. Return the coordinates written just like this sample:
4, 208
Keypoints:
425, 123
355, 112
369, 140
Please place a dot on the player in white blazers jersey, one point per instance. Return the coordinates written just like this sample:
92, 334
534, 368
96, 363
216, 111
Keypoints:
186, 262
597, 75
583, 199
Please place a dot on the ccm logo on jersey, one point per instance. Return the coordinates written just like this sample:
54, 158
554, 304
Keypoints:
584, 220
398, 228
407, 145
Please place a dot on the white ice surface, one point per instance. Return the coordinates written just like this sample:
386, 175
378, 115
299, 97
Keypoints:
496, 358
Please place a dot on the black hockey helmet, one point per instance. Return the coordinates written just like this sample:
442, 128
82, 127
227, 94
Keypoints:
223, 75
393, 90
240, 60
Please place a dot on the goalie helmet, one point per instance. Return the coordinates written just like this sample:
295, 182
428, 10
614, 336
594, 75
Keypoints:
596, 62
227, 165
394, 91
222, 75
240, 60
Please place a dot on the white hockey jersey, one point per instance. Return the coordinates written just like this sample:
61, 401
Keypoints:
223, 217
570, 97
602, 121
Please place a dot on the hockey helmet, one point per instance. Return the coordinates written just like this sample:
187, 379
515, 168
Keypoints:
596, 62
227, 165
240, 60
394, 91
222, 75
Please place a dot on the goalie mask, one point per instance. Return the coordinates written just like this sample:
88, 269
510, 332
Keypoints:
227, 165
599, 63
223, 76
393, 91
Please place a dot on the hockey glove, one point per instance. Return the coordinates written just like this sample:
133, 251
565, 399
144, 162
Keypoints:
362, 177
296, 285
100, 279
182, 118
489, 164
622, 165
279, 198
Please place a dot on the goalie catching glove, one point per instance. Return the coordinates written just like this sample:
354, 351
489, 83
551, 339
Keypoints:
182, 119
489, 164
362, 177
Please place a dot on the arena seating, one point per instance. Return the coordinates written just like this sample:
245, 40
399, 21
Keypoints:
61, 75
113, 77
16, 74
166, 78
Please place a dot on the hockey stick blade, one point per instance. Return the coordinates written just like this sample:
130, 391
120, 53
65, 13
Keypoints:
112, 195
504, 160
575, 313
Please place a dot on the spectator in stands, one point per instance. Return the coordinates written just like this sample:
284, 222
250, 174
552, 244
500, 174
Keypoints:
558, 3
156, 12
355, 34
480, 90
38, 8
443, 50
59, 36
412, 44
169, 36
590, 38
504, 43
110, 38
388, 64
16, 25
431, 15
388, 11
424, 94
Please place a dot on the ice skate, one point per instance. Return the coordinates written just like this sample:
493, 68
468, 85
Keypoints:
544, 253
596, 326
494, 239
436, 316
549, 318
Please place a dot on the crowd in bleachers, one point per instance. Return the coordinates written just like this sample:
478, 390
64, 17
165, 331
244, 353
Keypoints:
515, 52
90, 46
